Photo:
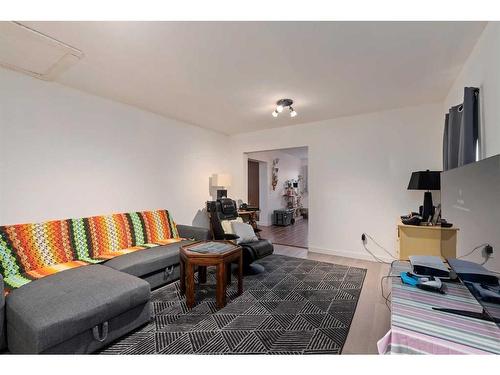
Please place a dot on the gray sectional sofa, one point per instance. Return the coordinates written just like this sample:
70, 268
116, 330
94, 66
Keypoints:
3, 344
84, 309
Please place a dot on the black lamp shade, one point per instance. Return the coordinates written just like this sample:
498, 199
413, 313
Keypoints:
425, 180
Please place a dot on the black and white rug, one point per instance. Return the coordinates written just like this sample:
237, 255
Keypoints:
297, 306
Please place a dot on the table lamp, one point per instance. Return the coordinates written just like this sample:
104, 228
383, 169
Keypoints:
221, 180
426, 180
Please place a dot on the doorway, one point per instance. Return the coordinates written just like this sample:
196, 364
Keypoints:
277, 187
253, 184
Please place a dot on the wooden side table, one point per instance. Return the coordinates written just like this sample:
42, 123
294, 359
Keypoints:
222, 261
427, 240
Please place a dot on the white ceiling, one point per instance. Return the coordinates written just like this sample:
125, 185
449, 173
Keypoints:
228, 75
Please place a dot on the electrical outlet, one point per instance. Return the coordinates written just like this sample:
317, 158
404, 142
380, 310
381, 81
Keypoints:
488, 252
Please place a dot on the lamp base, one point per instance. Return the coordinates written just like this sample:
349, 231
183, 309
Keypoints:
221, 194
428, 209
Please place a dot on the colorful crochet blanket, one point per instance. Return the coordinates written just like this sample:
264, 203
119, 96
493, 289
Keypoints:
32, 251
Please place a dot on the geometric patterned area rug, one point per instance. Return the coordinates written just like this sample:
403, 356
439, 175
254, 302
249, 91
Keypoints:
297, 306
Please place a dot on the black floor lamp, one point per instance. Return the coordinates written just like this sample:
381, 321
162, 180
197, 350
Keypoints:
426, 180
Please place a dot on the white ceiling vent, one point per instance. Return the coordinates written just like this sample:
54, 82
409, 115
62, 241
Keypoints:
29, 51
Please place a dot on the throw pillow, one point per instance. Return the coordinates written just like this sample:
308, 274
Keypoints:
227, 227
244, 231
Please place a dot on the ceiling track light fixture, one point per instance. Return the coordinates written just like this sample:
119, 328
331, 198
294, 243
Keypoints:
281, 105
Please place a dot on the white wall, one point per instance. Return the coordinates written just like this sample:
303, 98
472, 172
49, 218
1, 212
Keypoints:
289, 168
359, 168
482, 70
64, 153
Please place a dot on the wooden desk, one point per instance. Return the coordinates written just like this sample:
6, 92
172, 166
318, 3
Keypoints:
249, 217
427, 240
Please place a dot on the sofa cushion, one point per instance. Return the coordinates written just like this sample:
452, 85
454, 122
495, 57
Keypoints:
147, 261
26, 247
244, 231
227, 226
109, 233
53, 309
32, 251
158, 226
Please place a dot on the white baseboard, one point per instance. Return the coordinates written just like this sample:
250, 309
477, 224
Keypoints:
348, 254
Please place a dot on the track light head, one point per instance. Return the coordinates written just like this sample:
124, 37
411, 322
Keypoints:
281, 105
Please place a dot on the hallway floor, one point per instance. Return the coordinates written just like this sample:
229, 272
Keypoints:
295, 235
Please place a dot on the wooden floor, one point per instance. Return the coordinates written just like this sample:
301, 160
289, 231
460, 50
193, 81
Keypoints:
372, 318
291, 235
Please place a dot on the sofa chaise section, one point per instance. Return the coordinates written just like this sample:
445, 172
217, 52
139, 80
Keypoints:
75, 311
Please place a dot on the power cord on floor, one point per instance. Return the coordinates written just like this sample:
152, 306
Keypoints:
388, 276
386, 298
374, 256
364, 236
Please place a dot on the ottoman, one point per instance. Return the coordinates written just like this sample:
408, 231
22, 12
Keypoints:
75, 311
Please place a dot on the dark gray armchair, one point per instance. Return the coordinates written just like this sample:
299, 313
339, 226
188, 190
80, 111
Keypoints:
225, 209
